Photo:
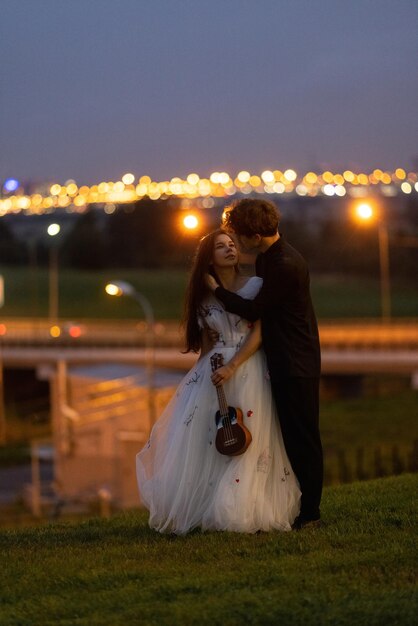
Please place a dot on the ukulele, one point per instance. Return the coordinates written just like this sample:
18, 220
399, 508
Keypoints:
232, 437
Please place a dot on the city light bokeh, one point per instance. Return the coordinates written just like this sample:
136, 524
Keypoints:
74, 198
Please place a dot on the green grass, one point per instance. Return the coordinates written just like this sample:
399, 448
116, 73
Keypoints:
357, 569
383, 427
82, 294
339, 296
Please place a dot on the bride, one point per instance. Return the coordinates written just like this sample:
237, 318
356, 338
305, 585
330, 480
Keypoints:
183, 480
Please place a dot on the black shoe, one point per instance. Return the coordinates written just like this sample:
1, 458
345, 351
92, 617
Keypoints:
300, 523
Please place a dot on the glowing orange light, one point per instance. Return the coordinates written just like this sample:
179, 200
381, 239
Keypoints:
55, 189
75, 331
119, 186
311, 178
3, 329
55, 331
190, 222
214, 177
224, 178
103, 187
72, 189
80, 200
255, 181
76, 199
193, 179
364, 211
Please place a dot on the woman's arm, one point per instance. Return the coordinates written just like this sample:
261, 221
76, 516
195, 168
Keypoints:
250, 345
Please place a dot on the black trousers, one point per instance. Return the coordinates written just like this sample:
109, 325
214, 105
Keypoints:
297, 402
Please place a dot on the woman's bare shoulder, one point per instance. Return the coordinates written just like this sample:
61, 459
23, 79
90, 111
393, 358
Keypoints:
250, 284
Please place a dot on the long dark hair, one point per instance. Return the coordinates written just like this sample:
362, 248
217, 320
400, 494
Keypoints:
196, 289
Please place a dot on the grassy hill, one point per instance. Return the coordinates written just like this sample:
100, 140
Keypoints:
357, 569
81, 294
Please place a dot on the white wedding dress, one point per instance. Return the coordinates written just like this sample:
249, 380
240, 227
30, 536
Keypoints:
184, 481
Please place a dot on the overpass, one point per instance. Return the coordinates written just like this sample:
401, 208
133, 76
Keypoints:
348, 346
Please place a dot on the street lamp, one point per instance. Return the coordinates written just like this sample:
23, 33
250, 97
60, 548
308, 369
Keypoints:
190, 222
122, 288
53, 230
366, 212
2, 407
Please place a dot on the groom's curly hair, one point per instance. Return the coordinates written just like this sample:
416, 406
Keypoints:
251, 216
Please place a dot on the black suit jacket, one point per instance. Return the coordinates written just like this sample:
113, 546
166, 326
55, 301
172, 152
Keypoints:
289, 327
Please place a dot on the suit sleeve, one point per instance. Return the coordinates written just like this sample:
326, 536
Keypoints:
248, 309
280, 284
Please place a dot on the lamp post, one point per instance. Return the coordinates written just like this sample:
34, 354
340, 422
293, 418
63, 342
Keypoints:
53, 230
384, 272
2, 407
122, 288
33, 273
366, 213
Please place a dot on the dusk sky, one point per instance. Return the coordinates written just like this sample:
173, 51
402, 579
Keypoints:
92, 89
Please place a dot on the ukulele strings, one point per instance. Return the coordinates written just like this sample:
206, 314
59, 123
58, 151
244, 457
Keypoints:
216, 363
226, 421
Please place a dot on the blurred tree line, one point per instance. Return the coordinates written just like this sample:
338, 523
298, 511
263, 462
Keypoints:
150, 234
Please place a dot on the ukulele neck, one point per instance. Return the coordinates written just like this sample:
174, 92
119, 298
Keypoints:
216, 361
223, 405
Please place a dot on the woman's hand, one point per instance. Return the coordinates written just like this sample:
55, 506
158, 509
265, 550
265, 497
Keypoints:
250, 345
211, 282
223, 374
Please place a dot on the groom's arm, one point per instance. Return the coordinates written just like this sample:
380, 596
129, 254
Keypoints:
280, 284
248, 309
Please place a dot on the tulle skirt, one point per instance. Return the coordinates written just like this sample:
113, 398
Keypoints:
186, 483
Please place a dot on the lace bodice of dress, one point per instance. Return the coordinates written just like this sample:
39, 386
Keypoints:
231, 328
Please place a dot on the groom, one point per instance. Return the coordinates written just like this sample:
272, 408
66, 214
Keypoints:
290, 340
